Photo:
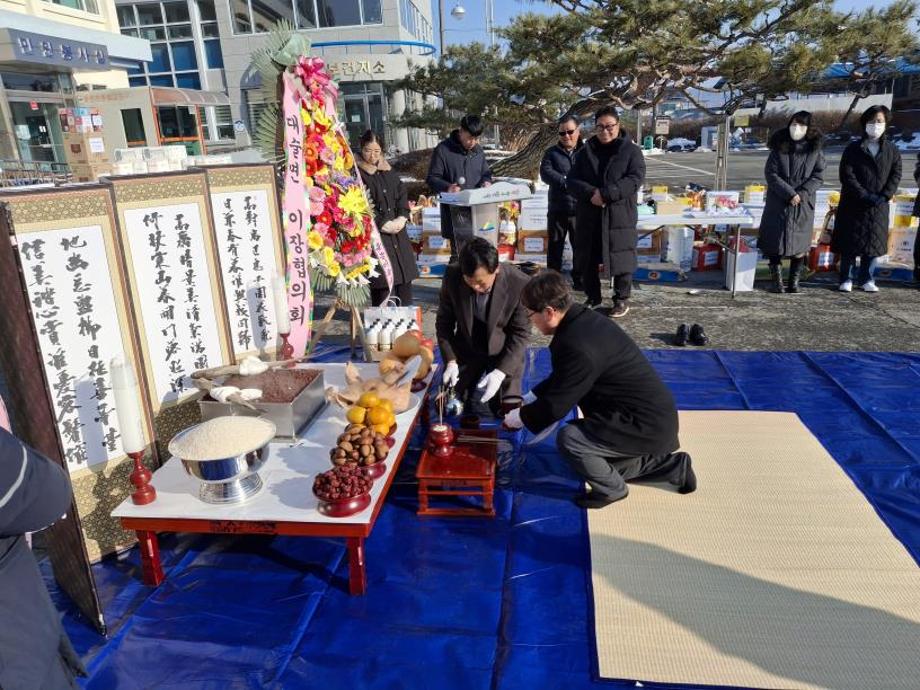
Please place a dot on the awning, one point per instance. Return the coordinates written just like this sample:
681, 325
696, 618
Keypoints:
167, 95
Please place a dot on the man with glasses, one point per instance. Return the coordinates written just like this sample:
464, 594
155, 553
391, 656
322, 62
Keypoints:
458, 163
607, 174
629, 428
554, 169
482, 328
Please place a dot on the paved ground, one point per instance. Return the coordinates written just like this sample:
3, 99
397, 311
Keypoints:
820, 318
744, 168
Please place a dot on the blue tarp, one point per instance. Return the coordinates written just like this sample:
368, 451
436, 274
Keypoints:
470, 603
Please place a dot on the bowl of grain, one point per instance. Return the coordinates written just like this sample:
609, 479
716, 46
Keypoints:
225, 454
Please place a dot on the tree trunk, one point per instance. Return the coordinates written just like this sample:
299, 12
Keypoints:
856, 98
526, 162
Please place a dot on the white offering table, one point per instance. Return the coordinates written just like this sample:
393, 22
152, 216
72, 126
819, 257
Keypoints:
285, 504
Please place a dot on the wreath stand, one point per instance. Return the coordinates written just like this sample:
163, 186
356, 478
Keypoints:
356, 330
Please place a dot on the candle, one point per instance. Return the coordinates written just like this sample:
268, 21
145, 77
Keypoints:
127, 394
283, 317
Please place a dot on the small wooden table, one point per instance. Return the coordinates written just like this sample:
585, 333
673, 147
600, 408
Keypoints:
468, 471
285, 505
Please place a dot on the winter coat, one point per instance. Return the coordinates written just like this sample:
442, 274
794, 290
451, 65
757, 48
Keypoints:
792, 168
616, 220
450, 163
34, 650
861, 223
388, 193
598, 367
554, 168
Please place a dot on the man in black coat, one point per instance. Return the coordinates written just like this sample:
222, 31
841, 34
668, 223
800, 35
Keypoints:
458, 163
629, 429
482, 327
605, 178
554, 169
35, 652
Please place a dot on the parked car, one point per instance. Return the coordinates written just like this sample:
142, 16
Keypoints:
679, 148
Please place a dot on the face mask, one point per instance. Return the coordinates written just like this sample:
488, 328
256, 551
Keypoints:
875, 129
797, 132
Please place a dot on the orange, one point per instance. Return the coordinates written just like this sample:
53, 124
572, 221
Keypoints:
356, 414
377, 415
391, 419
382, 429
386, 404
369, 400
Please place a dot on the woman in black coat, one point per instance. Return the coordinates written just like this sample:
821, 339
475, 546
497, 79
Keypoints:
870, 170
794, 172
607, 173
391, 213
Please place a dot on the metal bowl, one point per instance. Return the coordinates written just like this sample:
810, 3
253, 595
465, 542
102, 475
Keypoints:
231, 479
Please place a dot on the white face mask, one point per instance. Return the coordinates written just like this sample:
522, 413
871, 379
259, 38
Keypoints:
875, 129
797, 132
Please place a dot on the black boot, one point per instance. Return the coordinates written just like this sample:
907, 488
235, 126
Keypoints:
795, 271
776, 278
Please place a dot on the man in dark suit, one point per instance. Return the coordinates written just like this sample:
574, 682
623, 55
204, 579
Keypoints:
482, 327
629, 429
554, 171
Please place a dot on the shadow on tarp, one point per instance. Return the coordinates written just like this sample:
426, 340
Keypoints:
469, 603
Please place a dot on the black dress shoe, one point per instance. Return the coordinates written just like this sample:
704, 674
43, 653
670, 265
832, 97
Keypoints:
698, 335
687, 475
682, 335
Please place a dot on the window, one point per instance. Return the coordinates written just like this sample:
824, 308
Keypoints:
126, 16
137, 81
213, 54
184, 56
176, 122
162, 80
134, 127
176, 12
160, 62
224, 122
188, 80
259, 16
83, 5
206, 10
149, 14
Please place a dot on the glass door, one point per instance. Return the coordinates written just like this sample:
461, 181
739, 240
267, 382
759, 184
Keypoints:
38, 132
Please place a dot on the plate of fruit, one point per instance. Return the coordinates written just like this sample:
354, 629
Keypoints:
342, 491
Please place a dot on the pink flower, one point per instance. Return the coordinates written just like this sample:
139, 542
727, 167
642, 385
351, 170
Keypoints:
316, 207
317, 194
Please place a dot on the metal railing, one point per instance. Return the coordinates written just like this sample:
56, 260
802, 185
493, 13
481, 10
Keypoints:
15, 173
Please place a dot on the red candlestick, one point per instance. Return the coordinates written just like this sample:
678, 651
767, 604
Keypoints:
144, 493
287, 350
441, 438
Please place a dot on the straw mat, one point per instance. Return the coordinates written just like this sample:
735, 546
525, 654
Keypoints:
776, 573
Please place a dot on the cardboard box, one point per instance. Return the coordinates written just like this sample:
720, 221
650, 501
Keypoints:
706, 257
426, 259
431, 221
679, 249
532, 220
533, 241
672, 206
89, 173
435, 244
525, 258
755, 194
649, 245
747, 269
539, 202
901, 245
720, 199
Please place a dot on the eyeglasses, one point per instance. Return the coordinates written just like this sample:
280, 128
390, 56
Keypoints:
567, 132
607, 128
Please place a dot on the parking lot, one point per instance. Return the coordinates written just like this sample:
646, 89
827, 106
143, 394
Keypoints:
744, 168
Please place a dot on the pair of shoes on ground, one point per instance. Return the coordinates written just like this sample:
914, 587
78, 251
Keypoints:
847, 286
685, 485
620, 307
693, 334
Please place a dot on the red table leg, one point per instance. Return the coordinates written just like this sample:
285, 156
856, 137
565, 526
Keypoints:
150, 558
357, 575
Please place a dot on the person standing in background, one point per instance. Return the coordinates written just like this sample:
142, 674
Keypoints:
870, 171
794, 173
605, 178
554, 169
391, 213
458, 163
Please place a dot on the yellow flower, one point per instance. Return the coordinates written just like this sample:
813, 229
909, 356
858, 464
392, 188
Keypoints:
353, 202
314, 240
328, 256
305, 116
320, 118
333, 270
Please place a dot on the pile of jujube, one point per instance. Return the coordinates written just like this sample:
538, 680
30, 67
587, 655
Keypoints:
341, 483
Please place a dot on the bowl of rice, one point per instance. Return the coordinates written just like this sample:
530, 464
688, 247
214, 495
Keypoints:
225, 454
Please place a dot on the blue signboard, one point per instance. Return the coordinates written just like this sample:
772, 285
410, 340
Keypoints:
51, 50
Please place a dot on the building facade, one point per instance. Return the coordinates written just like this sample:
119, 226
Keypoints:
208, 44
50, 53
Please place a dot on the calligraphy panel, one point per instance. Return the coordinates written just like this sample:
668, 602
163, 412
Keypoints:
246, 213
167, 235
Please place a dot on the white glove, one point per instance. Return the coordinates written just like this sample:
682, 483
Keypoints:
390, 227
491, 382
529, 397
451, 374
400, 222
512, 420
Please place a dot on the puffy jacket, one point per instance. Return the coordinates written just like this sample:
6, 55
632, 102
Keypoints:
554, 169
